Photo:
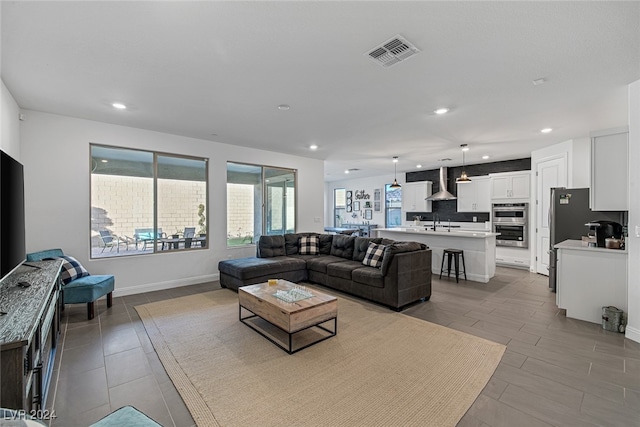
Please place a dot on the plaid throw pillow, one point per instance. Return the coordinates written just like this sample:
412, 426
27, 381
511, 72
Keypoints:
309, 245
71, 269
373, 257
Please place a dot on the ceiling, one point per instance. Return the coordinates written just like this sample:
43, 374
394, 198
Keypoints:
217, 71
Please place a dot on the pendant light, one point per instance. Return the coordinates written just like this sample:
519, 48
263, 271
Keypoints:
395, 184
463, 176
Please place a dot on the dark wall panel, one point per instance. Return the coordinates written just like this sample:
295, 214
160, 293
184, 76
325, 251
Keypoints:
446, 209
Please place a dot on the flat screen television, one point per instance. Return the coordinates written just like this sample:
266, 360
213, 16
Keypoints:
12, 237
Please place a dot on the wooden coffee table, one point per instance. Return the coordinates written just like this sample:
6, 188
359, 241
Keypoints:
290, 317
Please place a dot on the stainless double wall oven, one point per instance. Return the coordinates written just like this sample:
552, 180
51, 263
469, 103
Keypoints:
510, 220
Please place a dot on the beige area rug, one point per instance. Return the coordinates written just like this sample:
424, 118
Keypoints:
382, 368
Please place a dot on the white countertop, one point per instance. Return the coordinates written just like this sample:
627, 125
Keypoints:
442, 231
577, 245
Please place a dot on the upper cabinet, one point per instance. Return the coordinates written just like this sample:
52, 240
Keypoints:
414, 195
609, 170
510, 185
475, 196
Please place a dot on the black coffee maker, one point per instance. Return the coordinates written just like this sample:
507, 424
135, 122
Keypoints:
603, 230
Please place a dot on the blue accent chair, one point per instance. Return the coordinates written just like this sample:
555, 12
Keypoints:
126, 416
81, 290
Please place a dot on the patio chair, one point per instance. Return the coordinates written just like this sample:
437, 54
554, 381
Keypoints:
146, 235
189, 234
110, 240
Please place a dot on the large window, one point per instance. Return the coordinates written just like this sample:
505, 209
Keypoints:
392, 206
144, 202
260, 200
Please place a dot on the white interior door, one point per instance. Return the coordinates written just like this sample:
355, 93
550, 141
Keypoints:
550, 172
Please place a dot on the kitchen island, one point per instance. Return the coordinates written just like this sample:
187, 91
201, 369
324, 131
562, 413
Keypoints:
479, 248
590, 278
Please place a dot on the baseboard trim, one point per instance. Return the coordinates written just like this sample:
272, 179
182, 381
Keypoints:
159, 286
471, 277
633, 334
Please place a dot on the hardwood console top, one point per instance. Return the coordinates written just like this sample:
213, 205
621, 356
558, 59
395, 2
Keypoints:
25, 305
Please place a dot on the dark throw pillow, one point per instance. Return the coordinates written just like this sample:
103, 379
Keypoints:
71, 269
309, 245
373, 257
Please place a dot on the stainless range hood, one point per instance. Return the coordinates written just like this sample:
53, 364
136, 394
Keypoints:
443, 194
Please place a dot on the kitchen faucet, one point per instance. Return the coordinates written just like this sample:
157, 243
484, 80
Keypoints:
435, 219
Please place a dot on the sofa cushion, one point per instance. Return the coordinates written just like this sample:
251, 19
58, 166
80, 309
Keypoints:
270, 246
361, 245
373, 257
326, 240
88, 288
292, 242
342, 269
368, 276
251, 267
396, 248
319, 263
342, 246
309, 245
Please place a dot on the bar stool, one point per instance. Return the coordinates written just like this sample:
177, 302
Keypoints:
450, 253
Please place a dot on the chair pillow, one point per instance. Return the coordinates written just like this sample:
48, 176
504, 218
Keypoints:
309, 245
71, 269
373, 257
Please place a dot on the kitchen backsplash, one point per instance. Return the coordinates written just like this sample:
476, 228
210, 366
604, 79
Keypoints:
446, 209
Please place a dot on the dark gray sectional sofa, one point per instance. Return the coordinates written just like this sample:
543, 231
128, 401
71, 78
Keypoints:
404, 276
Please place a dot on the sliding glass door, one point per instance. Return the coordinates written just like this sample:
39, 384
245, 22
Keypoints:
280, 197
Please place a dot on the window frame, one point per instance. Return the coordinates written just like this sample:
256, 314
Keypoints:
263, 202
155, 205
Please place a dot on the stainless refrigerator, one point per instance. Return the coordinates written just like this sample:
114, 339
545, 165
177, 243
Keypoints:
568, 213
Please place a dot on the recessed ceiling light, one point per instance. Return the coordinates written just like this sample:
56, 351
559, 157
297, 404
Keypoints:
546, 130
346, 171
442, 110
485, 157
119, 106
539, 81
104, 161
284, 107
313, 147
418, 166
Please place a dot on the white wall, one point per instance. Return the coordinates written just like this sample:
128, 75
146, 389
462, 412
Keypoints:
633, 241
55, 153
9, 124
366, 184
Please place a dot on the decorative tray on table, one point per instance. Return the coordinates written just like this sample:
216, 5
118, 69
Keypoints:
297, 293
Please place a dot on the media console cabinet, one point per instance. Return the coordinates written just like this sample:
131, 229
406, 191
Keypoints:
29, 331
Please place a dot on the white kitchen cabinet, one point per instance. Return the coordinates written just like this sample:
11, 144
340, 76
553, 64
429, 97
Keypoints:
510, 185
414, 195
513, 257
609, 170
475, 196
589, 279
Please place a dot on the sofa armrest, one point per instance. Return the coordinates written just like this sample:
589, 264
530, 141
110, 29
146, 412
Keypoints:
408, 278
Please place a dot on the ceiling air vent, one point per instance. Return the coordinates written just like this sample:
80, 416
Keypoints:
392, 51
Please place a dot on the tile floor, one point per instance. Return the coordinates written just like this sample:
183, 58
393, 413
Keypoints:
555, 372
